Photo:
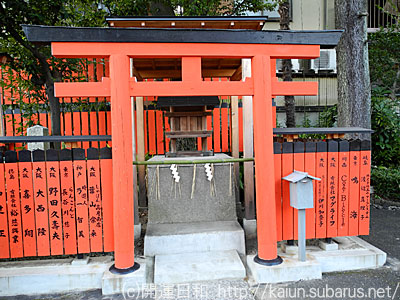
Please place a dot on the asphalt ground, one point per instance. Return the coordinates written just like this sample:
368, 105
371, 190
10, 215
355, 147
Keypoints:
382, 283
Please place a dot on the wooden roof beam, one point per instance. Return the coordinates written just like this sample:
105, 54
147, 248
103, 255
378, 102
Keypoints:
237, 75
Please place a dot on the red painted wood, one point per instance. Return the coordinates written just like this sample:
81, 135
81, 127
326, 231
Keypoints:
224, 130
107, 196
81, 203
27, 208
102, 126
93, 127
332, 194
68, 207
76, 119
264, 159
85, 127
41, 208
321, 194
278, 194
365, 182
109, 131
4, 237
354, 192
343, 194
88, 49
152, 132
240, 129
68, 123
209, 127
167, 128
95, 206
217, 130
146, 132
160, 132
55, 214
123, 201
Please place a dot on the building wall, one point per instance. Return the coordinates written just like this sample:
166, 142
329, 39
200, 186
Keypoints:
308, 15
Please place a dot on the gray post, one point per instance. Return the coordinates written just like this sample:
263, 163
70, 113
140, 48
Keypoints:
302, 234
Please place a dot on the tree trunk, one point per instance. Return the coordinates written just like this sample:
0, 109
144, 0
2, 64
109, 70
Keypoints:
55, 110
284, 9
354, 91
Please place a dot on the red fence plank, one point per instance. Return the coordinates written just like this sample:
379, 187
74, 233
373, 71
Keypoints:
365, 181
4, 238
152, 132
321, 204
240, 129
41, 207
94, 198
93, 126
68, 201
81, 200
217, 130
343, 190
160, 132
102, 126
167, 128
209, 127
27, 203
54, 198
354, 185
224, 129
85, 127
332, 192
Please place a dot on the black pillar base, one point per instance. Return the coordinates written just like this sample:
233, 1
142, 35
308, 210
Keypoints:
290, 242
117, 271
268, 262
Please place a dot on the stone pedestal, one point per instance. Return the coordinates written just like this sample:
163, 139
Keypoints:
194, 198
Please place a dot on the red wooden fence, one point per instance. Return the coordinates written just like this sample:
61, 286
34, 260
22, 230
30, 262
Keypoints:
55, 203
341, 198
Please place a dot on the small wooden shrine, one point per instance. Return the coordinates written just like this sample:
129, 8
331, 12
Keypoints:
188, 119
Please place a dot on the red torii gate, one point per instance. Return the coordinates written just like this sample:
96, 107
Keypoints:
121, 44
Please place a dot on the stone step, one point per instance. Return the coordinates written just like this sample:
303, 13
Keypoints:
162, 239
191, 267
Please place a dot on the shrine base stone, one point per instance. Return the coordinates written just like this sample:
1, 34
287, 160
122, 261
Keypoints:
191, 267
161, 239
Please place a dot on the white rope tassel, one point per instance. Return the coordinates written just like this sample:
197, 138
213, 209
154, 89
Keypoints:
175, 173
176, 179
193, 181
213, 187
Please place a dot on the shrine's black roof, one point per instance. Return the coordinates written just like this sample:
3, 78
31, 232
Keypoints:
47, 34
209, 101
